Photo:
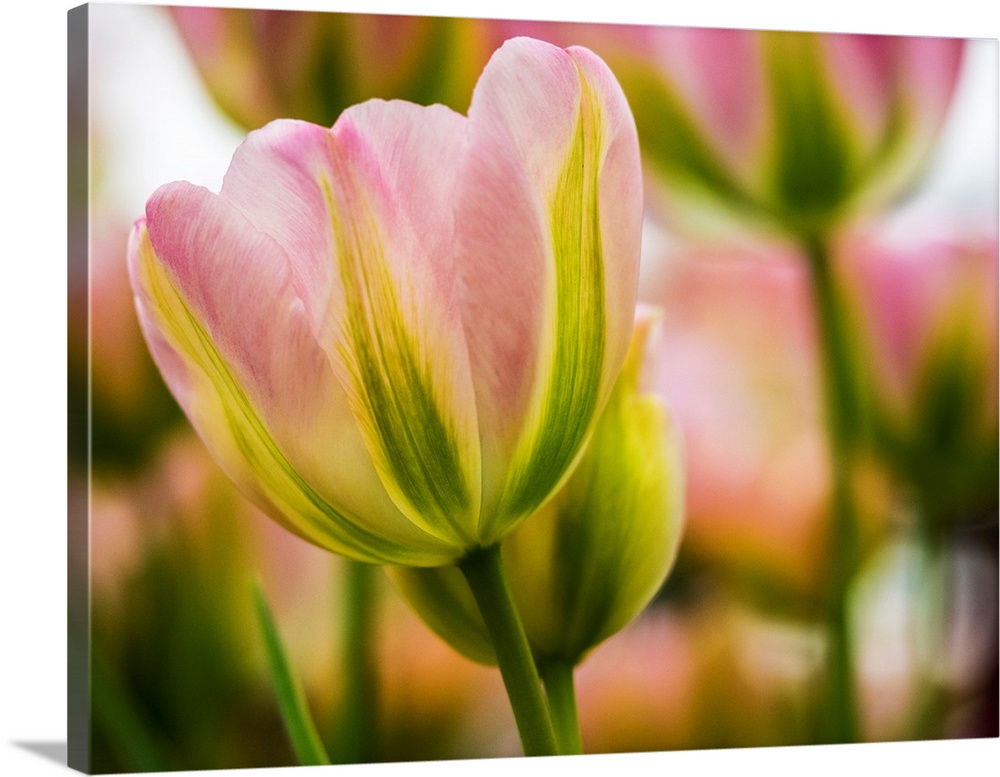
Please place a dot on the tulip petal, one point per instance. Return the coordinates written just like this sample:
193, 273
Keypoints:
698, 105
552, 149
393, 332
236, 349
364, 211
896, 90
675, 143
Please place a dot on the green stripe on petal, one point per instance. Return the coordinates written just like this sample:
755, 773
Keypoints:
301, 508
401, 412
575, 340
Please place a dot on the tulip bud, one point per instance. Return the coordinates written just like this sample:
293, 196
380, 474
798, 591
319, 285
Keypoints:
595, 554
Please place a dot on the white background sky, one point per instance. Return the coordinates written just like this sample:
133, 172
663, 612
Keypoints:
33, 549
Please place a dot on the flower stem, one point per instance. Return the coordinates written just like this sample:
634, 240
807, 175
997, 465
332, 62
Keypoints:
844, 410
845, 406
356, 738
931, 589
485, 574
557, 676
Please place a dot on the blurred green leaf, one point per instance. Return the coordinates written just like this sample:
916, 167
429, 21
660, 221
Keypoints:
301, 729
812, 167
122, 720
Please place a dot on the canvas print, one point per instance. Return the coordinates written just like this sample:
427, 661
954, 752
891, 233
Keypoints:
462, 388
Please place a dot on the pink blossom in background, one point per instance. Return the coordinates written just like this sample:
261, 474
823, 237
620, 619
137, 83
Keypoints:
915, 292
738, 368
929, 303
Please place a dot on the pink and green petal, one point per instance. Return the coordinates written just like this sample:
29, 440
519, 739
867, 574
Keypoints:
556, 155
392, 330
718, 91
240, 358
363, 211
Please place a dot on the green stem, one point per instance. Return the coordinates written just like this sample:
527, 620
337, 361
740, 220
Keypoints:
930, 591
557, 677
844, 410
357, 736
485, 574
845, 406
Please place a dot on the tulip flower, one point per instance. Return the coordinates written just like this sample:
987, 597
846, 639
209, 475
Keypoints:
395, 335
930, 304
795, 130
260, 65
595, 554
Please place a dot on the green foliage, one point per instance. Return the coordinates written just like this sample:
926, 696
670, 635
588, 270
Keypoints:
291, 700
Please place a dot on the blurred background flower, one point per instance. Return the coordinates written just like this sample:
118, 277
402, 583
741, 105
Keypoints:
929, 300
737, 363
800, 129
262, 65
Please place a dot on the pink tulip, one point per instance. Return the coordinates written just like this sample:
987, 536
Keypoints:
930, 305
931, 291
804, 126
395, 335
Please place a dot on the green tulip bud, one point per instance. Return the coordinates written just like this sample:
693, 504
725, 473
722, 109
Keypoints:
592, 557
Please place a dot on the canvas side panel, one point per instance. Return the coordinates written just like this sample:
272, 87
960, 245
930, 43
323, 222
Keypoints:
78, 410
